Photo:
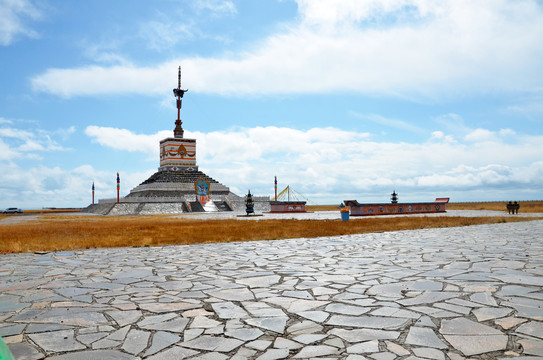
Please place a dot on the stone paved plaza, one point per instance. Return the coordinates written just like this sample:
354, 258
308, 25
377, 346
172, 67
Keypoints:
471, 292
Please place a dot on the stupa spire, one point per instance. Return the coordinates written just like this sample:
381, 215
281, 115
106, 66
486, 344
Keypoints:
178, 92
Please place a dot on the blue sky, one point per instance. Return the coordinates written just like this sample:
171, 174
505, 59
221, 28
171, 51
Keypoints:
340, 99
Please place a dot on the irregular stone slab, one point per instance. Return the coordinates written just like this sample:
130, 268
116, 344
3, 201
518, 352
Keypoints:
316, 351
23, 351
486, 313
318, 316
424, 337
244, 334
429, 353
477, 344
259, 344
176, 325
259, 281
71, 316
484, 298
532, 328
156, 319
136, 341
73, 291
364, 347
57, 341
276, 324
204, 323
12, 330
472, 338
358, 335
396, 290
395, 312
373, 322
396, 349
228, 310
304, 327
212, 343
532, 346
88, 339
168, 307
174, 353
296, 305
283, 343
509, 322
299, 294
463, 326
344, 309
106, 344
274, 354
161, 340
454, 308
124, 318
120, 334
309, 338
93, 355
429, 298
37, 328
232, 294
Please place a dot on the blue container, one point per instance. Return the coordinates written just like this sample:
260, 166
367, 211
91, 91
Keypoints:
345, 216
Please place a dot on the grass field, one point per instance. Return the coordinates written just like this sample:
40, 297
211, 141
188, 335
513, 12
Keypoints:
56, 232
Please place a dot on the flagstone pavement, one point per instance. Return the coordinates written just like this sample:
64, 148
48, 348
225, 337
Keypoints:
469, 292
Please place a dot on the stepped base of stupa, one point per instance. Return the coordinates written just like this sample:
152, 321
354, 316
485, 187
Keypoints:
173, 192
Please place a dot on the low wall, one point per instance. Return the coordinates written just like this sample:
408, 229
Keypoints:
287, 206
395, 209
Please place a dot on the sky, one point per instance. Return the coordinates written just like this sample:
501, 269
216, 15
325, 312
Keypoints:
340, 99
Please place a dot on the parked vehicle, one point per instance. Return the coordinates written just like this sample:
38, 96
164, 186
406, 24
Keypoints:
12, 211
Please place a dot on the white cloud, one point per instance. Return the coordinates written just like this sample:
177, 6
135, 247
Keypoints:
216, 7
329, 162
123, 139
13, 14
19, 143
480, 135
393, 123
405, 48
160, 35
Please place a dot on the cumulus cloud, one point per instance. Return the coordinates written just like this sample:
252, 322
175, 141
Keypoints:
19, 143
13, 16
123, 139
400, 48
325, 163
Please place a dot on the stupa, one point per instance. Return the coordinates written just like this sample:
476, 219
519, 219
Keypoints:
178, 186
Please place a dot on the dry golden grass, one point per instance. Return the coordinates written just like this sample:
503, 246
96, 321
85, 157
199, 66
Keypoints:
55, 232
52, 211
525, 206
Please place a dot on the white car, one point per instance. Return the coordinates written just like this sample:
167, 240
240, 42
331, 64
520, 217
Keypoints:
12, 211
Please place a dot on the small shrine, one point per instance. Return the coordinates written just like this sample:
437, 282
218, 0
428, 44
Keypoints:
394, 197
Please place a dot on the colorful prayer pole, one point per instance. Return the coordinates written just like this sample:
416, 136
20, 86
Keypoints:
93, 192
276, 188
118, 186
